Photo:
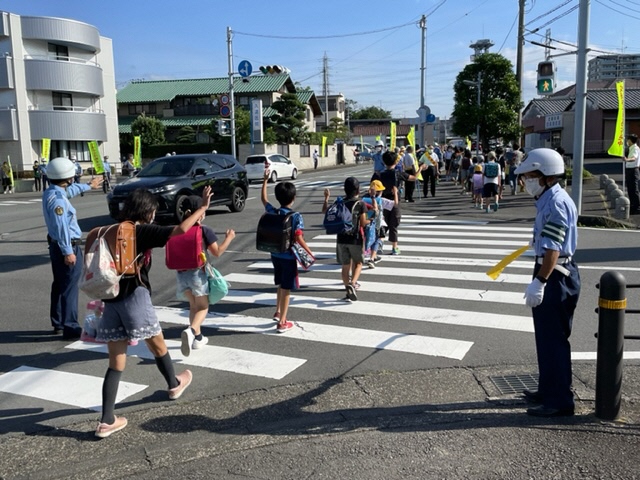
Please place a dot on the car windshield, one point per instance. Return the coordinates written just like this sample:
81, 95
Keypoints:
167, 167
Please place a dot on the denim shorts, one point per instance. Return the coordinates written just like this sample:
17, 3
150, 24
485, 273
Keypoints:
194, 280
132, 318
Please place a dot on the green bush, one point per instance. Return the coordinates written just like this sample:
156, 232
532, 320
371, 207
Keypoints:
585, 174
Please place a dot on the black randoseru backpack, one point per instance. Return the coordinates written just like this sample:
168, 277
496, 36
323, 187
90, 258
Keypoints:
274, 233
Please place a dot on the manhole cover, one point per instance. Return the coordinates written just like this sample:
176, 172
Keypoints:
510, 384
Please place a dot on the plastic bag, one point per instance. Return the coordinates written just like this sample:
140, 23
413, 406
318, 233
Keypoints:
218, 286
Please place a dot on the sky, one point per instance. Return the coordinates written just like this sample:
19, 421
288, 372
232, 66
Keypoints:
373, 47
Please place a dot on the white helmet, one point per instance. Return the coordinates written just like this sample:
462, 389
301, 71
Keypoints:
545, 160
60, 169
379, 144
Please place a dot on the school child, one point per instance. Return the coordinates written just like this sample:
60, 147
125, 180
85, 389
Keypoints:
391, 179
285, 268
478, 185
349, 246
193, 285
373, 240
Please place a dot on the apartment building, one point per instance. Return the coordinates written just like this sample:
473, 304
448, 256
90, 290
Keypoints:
57, 81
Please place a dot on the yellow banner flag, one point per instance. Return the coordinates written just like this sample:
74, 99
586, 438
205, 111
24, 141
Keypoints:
324, 146
617, 147
46, 148
96, 158
137, 152
411, 137
392, 134
10, 171
378, 138
495, 271
468, 144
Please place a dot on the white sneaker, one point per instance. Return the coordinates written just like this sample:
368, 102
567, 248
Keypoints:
197, 344
187, 338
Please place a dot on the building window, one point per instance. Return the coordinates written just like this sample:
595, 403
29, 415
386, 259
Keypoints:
139, 108
61, 52
243, 101
62, 101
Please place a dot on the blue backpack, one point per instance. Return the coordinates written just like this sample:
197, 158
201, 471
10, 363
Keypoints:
338, 219
491, 170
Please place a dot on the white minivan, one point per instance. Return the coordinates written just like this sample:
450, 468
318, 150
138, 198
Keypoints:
279, 165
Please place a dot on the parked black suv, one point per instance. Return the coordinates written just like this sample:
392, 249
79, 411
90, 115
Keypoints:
173, 178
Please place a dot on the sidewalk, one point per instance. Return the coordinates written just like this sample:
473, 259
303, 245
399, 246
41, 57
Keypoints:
453, 423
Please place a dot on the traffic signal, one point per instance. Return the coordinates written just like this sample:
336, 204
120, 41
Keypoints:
224, 127
273, 69
546, 78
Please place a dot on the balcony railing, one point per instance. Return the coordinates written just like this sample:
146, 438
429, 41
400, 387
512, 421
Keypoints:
66, 108
60, 58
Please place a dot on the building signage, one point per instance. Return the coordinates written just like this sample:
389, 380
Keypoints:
553, 121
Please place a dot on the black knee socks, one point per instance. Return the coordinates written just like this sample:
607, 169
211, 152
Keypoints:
166, 369
109, 392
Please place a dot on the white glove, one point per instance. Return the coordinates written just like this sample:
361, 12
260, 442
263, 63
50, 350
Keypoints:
534, 293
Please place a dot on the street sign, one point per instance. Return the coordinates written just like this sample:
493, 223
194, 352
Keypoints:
225, 111
431, 118
245, 68
224, 99
423, 112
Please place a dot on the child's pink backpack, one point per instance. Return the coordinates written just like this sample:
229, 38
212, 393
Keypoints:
184, 252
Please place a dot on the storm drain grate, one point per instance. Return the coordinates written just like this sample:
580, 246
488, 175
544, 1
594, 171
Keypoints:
509, 384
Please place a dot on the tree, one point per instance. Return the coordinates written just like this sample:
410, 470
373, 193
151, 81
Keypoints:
150, 129
288, 123
186, 135
243, 126
368, 113
337, 126
500, 102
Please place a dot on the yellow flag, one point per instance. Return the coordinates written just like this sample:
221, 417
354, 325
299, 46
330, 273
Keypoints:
392, 133
324, 145
617, 147
411, 137
46, 148
96, 158
378, 137
10, 171
495, 271
468, 143
137, 152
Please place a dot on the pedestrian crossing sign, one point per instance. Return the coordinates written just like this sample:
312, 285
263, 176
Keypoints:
545, 86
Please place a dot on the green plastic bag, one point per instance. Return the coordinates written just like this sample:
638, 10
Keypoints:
218, 286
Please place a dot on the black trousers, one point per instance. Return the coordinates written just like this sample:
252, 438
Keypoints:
631, 177
409, 188
429, 180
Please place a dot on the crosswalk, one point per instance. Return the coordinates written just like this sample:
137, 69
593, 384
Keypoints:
442, 263
8, 201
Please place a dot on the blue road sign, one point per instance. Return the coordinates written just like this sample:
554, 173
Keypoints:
225, 111
245, 68
431, 118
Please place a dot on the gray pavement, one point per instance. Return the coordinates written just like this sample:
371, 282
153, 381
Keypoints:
434, 423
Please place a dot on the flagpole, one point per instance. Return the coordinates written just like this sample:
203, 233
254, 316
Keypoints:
624, 136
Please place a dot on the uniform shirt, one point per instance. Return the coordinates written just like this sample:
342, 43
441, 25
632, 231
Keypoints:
633, 158
297, 226
556, 225
107, 167
60, 216
378, 164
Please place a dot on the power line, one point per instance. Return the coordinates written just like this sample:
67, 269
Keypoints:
508, 33
626, 14
549, 12
323, 37
557, 17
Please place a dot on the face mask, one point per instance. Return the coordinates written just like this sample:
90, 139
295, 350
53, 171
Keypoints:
533, 187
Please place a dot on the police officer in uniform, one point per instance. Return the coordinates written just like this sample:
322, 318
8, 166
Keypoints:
553, 293
64, 238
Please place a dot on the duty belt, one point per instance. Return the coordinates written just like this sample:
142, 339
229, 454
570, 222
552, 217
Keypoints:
559, 264
74, 241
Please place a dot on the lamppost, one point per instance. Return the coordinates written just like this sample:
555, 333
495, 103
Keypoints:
478, 85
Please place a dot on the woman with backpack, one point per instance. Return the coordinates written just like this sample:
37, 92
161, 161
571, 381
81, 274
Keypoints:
131, 315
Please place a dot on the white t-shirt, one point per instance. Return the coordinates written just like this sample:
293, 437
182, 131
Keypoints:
633, 159
495, 179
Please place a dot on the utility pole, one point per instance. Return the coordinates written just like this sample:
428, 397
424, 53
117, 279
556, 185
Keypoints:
423, 28
581, 103
547, 43
325, 88
519, 61
231, 98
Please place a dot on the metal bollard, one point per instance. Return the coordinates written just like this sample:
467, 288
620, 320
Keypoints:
615, 195
603, 181
611, 308
622, 208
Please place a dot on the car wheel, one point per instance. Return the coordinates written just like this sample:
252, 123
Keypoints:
238, 200
294, 174
274, 177
181, 207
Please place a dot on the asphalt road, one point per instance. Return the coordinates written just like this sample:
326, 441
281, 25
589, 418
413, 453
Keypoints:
430, 307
